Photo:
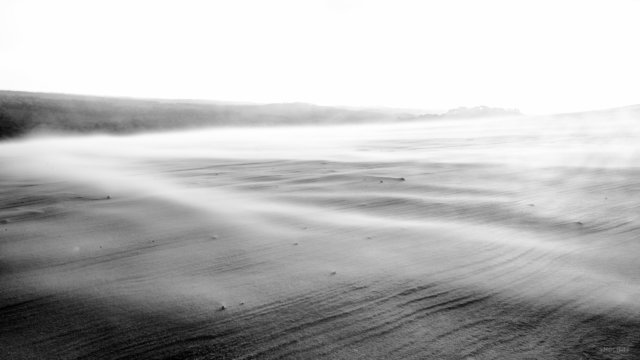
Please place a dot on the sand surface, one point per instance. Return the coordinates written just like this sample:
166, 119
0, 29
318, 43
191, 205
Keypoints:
457, 239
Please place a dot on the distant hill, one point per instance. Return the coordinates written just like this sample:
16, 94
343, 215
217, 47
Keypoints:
631, 111
472, 112
24, 112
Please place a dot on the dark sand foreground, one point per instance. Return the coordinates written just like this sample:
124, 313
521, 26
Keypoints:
483, 239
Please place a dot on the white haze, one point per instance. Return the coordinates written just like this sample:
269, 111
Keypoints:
587, 141
539, 56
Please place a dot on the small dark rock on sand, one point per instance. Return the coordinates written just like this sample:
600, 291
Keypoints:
333, 273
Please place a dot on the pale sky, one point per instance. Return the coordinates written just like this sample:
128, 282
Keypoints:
539, 56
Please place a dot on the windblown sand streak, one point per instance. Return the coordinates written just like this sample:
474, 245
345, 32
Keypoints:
483, 239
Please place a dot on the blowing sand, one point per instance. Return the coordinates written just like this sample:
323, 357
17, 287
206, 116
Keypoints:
456, 239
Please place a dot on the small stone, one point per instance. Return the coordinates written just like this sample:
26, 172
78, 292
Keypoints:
333, 273
222, 308
295, 244
381, 181
108, 197
214, 237
579, 223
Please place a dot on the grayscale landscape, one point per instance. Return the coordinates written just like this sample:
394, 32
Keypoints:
474, 238
320, 179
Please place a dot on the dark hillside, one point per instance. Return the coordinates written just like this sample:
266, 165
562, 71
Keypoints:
22, 112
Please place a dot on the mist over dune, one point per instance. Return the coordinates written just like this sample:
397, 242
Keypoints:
24, 113
494, 238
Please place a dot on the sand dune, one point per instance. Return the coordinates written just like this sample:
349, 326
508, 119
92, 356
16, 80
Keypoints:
448, 239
